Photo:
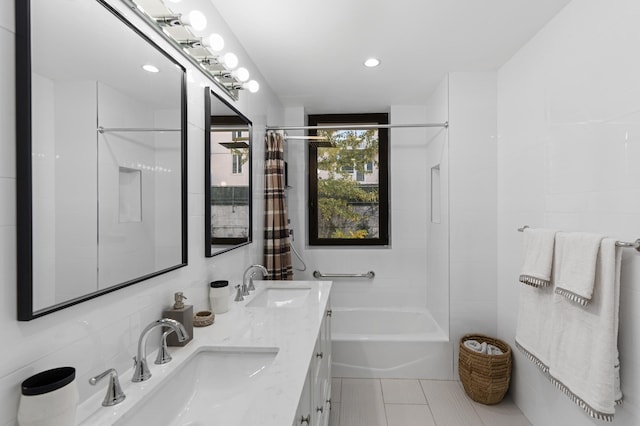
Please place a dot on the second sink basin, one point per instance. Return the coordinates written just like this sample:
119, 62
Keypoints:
214, 385
280, 297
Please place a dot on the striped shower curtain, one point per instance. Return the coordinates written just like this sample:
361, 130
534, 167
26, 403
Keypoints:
277, 251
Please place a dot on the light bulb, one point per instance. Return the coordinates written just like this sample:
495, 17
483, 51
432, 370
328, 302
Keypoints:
150, 68
241, 74
230, 60
196, 20
252, 86
216, 42
372, 62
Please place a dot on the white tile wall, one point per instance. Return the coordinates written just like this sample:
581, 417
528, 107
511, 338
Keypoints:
472, 205
568, 126
7, 94
7, 16
401, 268
438, 271
103, 332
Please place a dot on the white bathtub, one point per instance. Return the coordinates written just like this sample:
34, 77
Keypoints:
389, 343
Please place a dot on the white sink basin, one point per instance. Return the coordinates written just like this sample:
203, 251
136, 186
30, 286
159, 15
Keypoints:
213, 386
280, 297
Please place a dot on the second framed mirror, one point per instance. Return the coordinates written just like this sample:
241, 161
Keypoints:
228, 214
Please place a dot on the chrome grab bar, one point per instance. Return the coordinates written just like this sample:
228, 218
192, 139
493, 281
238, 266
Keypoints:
318, 274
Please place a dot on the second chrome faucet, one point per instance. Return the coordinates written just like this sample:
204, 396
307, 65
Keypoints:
247, 278
141, 369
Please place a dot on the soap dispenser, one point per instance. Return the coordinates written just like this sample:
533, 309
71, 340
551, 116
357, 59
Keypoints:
182, 313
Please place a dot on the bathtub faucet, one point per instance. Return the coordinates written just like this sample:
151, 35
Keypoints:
247, 278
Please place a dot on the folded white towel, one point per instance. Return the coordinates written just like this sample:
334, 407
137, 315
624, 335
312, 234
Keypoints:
584, 350
576, 255
537, 245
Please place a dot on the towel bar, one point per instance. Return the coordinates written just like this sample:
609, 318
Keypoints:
318, 274
635, 244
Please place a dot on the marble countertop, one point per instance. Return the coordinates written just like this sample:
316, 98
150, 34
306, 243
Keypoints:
293, 330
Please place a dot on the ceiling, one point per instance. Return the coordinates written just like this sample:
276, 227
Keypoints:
110, 53
311, 53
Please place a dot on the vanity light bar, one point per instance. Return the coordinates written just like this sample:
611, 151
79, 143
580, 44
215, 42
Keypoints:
178, 31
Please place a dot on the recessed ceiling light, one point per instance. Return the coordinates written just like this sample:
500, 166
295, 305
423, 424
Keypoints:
150, 68
372, 62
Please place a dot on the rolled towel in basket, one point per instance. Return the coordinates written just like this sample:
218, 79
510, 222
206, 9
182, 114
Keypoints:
475, 346
493, 350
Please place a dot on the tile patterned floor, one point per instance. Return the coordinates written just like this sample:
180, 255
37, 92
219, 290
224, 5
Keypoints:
392, 402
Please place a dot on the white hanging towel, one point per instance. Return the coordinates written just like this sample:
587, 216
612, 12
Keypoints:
537, 247
534, 328
584, 350
533, 332
576, 255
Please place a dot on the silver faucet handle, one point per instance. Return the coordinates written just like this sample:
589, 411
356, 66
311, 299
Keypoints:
239, 295
141, 370
114, 391
251, 287
245, 289
163, 356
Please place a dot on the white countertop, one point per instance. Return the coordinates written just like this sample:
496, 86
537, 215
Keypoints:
292, 330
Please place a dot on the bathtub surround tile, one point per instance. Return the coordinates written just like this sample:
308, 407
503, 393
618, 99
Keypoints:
449, 404
362, 403
409, 415
336, 389
402, 392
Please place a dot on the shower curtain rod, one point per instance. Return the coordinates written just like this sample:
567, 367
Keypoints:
357, 126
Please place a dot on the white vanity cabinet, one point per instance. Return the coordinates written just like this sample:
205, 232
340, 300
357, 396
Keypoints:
315, 402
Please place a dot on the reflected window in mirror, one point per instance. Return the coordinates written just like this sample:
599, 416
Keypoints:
228, 213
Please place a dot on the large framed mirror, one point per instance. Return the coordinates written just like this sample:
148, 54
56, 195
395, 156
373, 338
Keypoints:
101, 155
228, 213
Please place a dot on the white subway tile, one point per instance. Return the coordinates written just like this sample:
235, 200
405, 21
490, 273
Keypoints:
7, 98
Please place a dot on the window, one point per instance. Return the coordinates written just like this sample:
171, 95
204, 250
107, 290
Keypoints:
237, 164
348, 182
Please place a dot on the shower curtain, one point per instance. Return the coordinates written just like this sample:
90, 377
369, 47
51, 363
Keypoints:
277, 251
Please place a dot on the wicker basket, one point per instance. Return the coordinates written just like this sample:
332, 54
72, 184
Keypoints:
485, 377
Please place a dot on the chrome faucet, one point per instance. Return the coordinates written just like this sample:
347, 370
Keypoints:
141, 370
247, 278
114, 394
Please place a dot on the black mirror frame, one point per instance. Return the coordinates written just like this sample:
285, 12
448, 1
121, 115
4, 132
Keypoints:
207, 173
24, 188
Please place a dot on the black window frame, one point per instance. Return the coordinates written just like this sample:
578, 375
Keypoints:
383, 179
